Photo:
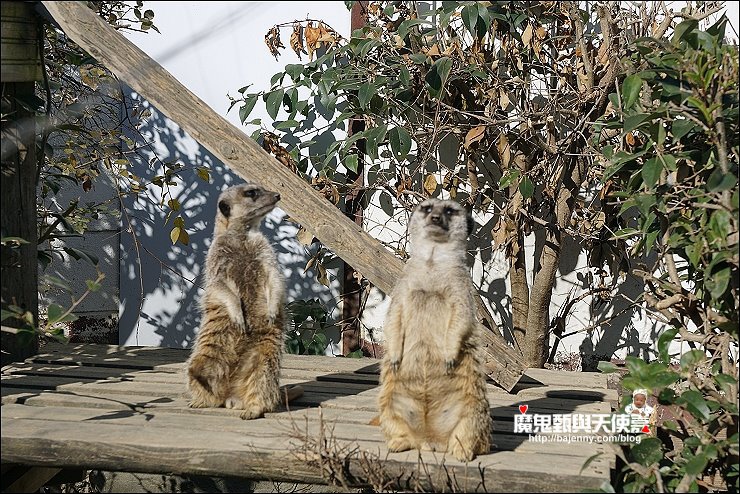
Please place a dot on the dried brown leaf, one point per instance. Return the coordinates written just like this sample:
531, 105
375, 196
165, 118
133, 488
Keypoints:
503, 99
430, 184
474, 135
272, 40
296, 40
312, 35
504, 151
527, 35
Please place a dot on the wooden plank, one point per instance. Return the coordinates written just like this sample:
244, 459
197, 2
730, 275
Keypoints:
132, 447
277, 427
304, 204
587, 394
549, 377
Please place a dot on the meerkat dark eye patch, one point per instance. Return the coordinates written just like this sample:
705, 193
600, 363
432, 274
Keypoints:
252, 193
426, 209
224, 207
450, 212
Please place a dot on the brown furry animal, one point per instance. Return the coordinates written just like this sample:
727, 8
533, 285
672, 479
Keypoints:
432, 378
235, 361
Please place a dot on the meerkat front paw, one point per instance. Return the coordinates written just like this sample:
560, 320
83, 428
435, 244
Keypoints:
397, 444
234, 402
450, 366
395, 364
253, 412
462, 454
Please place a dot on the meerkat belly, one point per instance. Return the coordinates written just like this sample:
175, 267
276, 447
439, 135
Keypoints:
425, 331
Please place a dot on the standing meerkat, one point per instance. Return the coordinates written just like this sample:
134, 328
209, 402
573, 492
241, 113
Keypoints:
432, 392
235, 361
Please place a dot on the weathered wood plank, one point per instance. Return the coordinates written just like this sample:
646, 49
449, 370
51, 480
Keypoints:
563, 378
587, 394
245, 157
277, 427
132, 447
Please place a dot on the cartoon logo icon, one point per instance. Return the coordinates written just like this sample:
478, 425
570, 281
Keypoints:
523, 408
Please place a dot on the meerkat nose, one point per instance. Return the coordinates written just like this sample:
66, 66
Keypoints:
436, 218
277, 196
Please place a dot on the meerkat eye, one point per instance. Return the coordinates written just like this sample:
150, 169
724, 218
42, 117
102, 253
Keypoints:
427, 209
251, 193
449, 211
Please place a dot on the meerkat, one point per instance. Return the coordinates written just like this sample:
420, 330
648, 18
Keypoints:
235, 361
432, 393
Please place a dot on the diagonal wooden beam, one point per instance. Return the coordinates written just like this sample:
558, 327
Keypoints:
250, 161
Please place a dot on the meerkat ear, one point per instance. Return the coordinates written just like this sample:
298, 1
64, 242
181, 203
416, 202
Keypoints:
471, 222
224, 207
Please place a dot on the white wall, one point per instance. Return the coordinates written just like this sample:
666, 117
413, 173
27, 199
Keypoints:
213, 48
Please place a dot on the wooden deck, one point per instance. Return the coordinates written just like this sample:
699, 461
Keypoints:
125, 409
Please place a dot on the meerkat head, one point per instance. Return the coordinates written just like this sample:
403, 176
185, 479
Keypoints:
439, 222
242, 207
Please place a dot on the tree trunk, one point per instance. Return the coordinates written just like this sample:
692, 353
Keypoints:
538, 318
519, 292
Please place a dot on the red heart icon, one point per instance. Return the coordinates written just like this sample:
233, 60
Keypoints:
646, 429
523, 408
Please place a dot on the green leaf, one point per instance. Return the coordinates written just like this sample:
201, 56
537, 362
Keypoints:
607, 367
203, 174
526, 187
248, 106
82, 254
351, 162
365, 94
400, 142
633, 121
719, 181
287, 124
683, 29
273, 102
508, 178
93, 286
405, 26
666, 396
437, 75
651, 172
630, 91
294, 70
54, 313
469, 17
680, 128
649, 451
664, 342
695, 403
696, 465
725, 381
718, 282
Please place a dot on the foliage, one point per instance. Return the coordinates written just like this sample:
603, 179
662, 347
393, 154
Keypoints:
672, 168
307, 333
487, 103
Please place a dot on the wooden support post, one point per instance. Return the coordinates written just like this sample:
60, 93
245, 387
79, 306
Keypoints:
353, 208
249, 160
19, 267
